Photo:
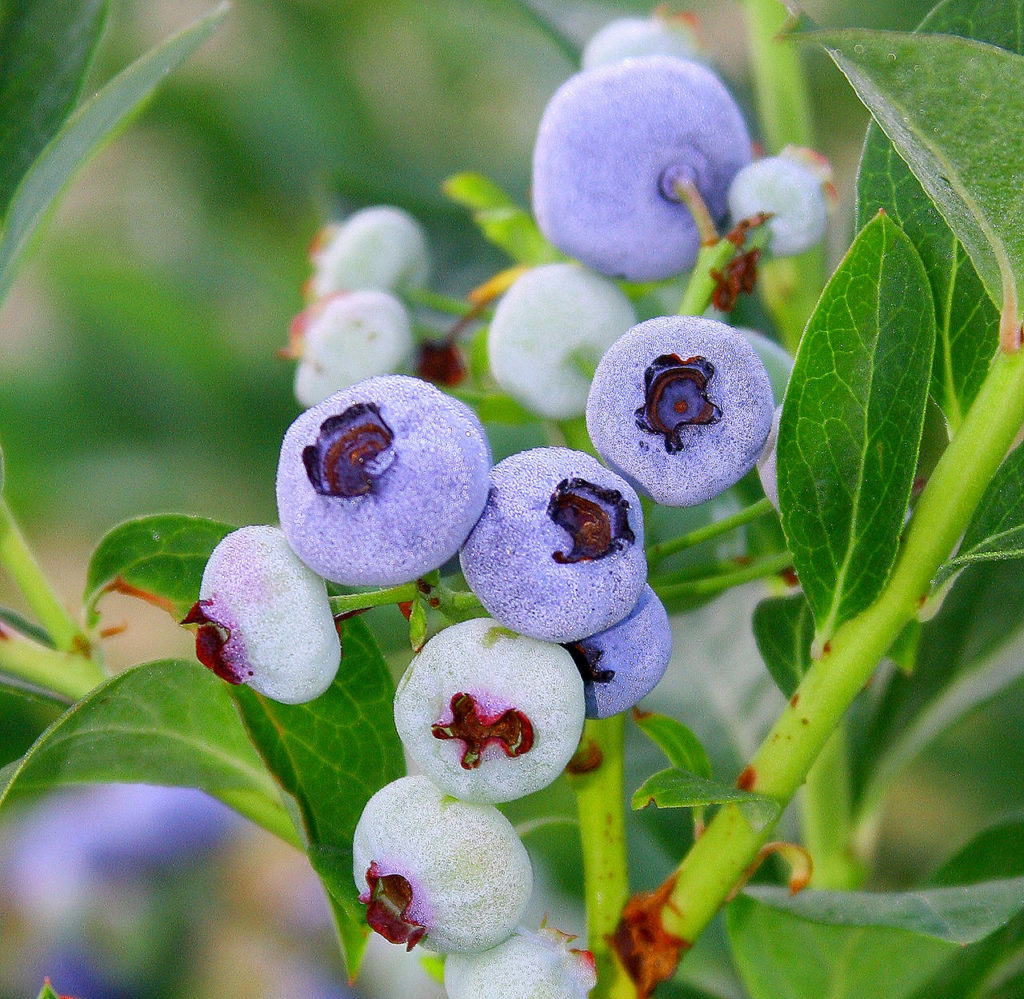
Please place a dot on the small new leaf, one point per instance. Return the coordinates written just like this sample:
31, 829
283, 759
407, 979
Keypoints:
676, 788
997, 529
683, 749
784, 630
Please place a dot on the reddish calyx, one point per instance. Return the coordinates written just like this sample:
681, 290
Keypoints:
511, 730
387, 907
211, 637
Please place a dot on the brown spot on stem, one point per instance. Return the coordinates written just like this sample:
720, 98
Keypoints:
794, 700
747, 779
646, 950
511, 730
586, 759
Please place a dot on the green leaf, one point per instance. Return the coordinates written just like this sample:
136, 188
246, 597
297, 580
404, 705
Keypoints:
847, 945
331, 754
25, 627
968, 655
503, 222
996, 852
683, 749
957, 914
82, 134
169, 722
958, 149
676, 788
967, 321
852, 423
45, 50
997, 529
782, 957
158, 558
47, 991
784, 630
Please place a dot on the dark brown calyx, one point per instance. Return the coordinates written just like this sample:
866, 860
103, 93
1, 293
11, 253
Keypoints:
596, 518
586, 657
211, 637
511, 730
647, 951
351, 451
675, 396
387, 902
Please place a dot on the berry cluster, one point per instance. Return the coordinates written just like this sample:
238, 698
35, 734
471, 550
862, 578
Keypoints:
386, 478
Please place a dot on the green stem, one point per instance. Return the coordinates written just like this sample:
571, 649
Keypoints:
436, 302
17, 558
717, 860
826, 815
770, 565
662, 550
600, 798
701, 285
349, 602
64, 673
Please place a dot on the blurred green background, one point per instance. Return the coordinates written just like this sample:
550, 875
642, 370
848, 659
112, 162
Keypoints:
137, 348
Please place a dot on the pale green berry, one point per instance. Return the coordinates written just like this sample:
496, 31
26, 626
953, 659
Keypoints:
631, 37
381, 247
490, 715
526, 966
548, 333
346, 338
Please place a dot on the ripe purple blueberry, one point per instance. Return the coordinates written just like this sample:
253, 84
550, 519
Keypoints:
490, 715
381, 482
430, 868
614, 145
558, 552
624, 663
263, 618
526, 966
681, 407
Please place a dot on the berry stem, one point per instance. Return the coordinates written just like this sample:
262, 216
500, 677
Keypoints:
769, 565
826, 818
436, 302
701, 286
717, 860
663, 549
63, 673
349, 602
598, 783
18, 560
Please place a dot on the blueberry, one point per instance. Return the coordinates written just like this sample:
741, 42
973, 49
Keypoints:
612, 145
430, 868
381, 482
526, 966
631, 37
263, 618
348, 337
558, 552
489, 715
624, 663
550, 325
766, 465
380, 247
681, 406
793, 186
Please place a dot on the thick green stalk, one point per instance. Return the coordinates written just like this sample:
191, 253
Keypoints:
718, 859
826, 818
18, 560
662, 550
350, 602
601, 800
64, 673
